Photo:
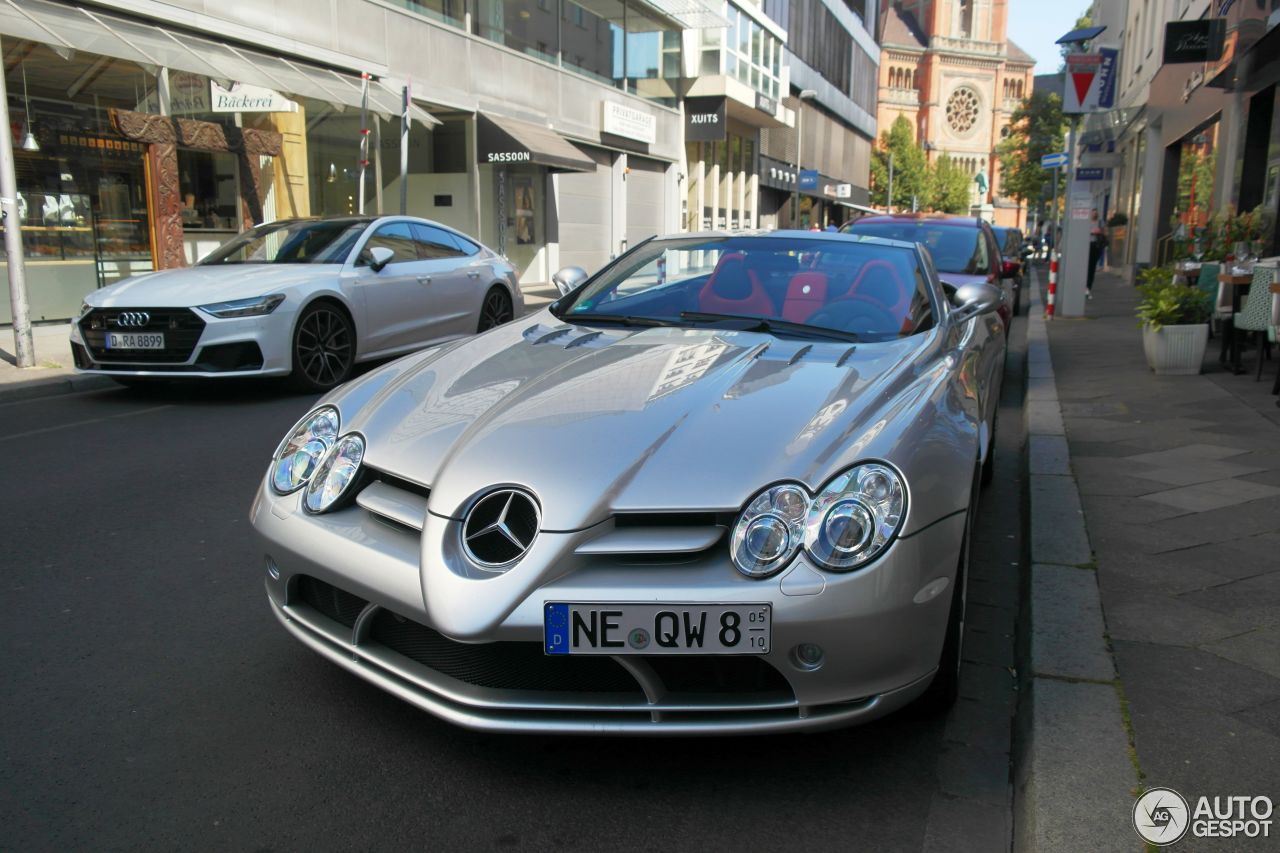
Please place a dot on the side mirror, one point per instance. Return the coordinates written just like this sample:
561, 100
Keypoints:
379, 257
973, 300
569, 279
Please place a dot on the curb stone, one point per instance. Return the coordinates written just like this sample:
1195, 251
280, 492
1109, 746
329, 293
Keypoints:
1073, 780
52, 386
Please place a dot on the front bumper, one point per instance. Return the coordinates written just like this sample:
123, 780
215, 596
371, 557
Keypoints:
881, 644
225, 348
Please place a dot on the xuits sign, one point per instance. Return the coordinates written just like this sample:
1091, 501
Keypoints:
1194, 41
704, 119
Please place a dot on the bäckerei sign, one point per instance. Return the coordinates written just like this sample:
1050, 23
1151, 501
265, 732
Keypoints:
243, 98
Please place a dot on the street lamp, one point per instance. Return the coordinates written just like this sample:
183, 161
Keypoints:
805, 95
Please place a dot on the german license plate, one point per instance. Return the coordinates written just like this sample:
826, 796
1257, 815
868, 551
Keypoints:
656, 629
135, 340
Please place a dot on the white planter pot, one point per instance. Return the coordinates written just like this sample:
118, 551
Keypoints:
1175, 350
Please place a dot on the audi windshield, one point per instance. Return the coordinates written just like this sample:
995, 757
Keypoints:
837, 287
313, 241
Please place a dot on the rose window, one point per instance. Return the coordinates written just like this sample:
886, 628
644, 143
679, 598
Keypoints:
962, 109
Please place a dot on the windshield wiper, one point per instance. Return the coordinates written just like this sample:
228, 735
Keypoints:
749, 323
620, 319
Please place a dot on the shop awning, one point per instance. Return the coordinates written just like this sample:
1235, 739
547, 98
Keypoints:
67, 29
501, 140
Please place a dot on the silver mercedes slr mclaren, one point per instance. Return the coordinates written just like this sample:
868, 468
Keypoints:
724, 485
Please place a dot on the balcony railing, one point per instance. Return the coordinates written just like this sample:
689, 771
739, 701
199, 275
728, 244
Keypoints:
985, 48
901, 97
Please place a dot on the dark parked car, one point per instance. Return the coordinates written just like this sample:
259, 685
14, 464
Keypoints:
1014, 252
964, 249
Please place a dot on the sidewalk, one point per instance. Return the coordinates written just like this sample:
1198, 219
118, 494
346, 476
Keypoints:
1179, 479
52, 373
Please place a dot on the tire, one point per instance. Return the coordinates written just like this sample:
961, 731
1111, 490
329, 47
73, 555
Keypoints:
943, 691
324, 348
495, 310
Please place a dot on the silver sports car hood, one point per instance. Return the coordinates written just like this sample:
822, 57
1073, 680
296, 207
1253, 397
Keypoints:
600, 420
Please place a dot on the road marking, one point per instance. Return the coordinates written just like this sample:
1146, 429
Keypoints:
84, 423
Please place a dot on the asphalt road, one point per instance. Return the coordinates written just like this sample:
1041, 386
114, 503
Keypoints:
152, 701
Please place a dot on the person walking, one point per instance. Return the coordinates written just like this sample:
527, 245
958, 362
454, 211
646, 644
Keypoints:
1097, 244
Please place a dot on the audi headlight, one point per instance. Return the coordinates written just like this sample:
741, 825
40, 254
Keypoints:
855, 517
336, 473
300, 453
253, 307
770, 530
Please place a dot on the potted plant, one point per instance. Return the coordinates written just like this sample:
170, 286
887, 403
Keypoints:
1175, 323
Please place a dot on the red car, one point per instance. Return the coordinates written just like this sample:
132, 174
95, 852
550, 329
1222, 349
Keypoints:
964, 249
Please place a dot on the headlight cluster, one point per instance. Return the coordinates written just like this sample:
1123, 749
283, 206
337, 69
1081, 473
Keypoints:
845, 526
255, 306
313, 456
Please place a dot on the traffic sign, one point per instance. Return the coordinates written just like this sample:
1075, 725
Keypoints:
1083, 85
808, 179
1053, 161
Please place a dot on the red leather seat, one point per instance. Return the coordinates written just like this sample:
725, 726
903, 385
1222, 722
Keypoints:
734, 289
880, 282
806, 293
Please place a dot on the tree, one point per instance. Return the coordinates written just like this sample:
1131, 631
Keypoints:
910, 168
948, 187
1036, 128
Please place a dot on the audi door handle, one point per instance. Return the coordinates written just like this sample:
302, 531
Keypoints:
424, 279
473, 273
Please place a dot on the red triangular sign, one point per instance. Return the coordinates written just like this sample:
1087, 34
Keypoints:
1082, 80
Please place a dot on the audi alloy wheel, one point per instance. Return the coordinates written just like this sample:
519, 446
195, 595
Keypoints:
323, 348
496, 310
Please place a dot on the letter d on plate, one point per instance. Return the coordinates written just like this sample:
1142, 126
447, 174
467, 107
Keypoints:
556, 629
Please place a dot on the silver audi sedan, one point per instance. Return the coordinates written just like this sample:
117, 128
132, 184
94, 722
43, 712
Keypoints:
724, 485
303, 298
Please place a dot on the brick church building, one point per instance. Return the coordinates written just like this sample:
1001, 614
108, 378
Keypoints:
949, 67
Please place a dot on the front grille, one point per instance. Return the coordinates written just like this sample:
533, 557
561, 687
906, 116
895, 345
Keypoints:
181, 328
504, 665
339, 605
717, 674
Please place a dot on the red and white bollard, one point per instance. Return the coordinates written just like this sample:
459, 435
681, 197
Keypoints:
1053, 285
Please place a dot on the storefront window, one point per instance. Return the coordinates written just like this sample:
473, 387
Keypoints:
82, 196
208, 183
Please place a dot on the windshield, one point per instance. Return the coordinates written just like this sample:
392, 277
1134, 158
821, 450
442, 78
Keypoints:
955, 248
294, 242
837, 287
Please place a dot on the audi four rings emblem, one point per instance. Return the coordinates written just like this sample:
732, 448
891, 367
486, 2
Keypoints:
133, 318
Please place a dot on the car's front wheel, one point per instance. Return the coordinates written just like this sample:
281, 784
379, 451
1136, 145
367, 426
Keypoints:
324, 348
496, 309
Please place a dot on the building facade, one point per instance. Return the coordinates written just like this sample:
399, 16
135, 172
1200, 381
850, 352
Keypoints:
748, 133
548, 129
948, 67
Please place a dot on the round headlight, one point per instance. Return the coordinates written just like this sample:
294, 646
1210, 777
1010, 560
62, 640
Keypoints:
300, 453
336, 473
855, 517
770, 530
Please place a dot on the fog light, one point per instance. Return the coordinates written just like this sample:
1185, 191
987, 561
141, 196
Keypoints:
273, 569
807, 656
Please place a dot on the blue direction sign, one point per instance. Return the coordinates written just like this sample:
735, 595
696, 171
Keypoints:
808, 179
1090, 174
1053, 161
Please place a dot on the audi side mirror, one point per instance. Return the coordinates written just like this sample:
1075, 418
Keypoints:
974, 300
569, 279
379, 257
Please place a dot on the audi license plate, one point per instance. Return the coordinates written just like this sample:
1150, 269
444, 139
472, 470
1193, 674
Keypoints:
656, 629
135, 340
